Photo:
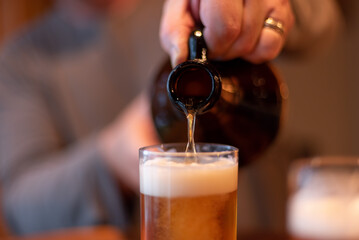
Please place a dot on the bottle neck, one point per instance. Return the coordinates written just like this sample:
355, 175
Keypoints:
194, 85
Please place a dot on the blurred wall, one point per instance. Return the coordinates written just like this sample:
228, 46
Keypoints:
324, 91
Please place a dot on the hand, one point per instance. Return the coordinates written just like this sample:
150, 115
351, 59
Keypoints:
121, 141
232, 28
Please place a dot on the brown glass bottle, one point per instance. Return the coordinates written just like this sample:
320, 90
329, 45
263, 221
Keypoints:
242, 108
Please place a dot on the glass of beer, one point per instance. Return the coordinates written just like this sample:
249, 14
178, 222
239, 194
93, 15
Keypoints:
324, 199
188, 195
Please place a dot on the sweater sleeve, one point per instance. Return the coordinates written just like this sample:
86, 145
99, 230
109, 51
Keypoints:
49, 183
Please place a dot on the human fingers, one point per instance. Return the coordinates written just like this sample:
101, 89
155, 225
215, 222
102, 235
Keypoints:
222, 24
279, 20
176, 25
249, 40
253, 15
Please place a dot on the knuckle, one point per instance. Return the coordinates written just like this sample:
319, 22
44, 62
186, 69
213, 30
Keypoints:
223, 38
230, 31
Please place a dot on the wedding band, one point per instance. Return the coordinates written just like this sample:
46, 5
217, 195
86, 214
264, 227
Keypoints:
275, 25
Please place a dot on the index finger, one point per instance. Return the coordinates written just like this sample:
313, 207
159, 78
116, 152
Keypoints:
222, 21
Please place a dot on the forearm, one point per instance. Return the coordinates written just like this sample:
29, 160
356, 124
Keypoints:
70, 189
120, 141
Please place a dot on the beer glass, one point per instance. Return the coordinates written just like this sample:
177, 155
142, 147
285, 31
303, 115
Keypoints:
187, 195
324, 199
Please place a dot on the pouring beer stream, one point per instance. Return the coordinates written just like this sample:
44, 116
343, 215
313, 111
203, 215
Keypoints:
194, 86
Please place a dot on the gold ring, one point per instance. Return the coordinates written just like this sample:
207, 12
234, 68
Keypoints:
275, 25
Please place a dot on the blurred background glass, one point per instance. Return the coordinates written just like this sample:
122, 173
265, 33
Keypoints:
324, 198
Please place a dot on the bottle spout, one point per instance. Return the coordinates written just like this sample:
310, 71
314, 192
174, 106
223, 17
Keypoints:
194, 85
197, 46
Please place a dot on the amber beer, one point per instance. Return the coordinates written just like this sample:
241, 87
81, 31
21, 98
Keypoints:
189, 198
324, 201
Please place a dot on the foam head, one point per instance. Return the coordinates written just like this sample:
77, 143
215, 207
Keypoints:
165, 178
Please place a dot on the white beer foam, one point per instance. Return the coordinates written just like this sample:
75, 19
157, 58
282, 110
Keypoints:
163, 178
324, 217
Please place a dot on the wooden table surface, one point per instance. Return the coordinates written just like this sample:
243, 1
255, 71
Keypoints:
111, 233
81, 233
262, 236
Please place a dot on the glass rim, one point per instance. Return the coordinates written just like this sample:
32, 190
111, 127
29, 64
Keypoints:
314, 163
328, 161
147, 150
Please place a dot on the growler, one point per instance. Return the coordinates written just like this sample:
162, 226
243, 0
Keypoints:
237, 103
